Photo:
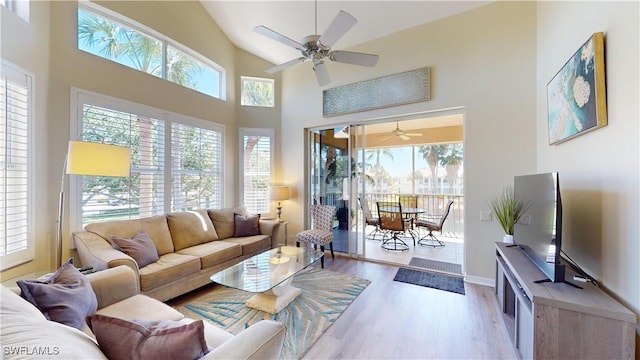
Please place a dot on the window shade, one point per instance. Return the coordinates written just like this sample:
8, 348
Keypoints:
14, 167
256, 172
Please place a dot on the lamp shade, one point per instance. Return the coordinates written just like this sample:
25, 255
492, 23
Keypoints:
279, 193
85, 158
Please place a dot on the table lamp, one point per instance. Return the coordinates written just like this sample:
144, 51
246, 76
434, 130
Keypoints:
95, 159
279, 193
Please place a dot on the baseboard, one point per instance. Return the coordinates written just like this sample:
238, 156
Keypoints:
480, 280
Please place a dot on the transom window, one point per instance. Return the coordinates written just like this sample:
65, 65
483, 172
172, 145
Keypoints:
176, 161
257, 92
114, 37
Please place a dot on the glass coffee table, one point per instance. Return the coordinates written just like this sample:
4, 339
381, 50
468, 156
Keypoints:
269, 275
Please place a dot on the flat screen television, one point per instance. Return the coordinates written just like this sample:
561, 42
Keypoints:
539, 231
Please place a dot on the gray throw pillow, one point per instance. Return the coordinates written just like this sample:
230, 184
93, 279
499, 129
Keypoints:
148, 339
246, 225
66, 297
140, 247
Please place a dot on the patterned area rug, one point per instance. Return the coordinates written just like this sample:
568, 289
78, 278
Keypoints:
436, 281
325, 295
436, 265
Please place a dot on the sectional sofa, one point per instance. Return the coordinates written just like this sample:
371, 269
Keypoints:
190, 246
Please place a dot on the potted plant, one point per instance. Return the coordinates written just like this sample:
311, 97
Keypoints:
508, 210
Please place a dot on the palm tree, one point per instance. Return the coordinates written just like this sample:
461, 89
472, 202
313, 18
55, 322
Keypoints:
432, 155
452, 161
378, 170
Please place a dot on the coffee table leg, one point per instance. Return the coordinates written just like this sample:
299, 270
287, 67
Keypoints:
276, 299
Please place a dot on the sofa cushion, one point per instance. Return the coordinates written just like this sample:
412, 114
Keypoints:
170, 267
141, 307
140, 247
24, 327
223, 220
246, 225
252, 245
155, 226
65, 297
214, 253
190, 228
149, 339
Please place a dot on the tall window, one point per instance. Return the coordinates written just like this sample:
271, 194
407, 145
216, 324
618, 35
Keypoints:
176, 161
116, 38
257, 92
16, 244
256, 168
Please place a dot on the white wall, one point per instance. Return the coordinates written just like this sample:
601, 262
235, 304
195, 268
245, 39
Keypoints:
599, 171
483, 61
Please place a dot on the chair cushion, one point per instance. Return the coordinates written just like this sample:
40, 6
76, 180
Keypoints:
65, 297
213, 253
141, 307
315, 236
169, 268
149, 339
155, 226
190, 228
140, 247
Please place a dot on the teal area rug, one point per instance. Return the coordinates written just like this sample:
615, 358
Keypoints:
325, 295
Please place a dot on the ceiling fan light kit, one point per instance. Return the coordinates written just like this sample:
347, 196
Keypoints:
316, 48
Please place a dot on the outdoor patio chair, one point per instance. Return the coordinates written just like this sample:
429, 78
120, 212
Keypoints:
393, 223
372, 221
322, 231
430, 239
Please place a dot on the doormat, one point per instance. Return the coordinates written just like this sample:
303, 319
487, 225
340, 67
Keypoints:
325, 296
436, 265
436, 281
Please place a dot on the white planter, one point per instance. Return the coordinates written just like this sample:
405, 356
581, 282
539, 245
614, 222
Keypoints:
508, 239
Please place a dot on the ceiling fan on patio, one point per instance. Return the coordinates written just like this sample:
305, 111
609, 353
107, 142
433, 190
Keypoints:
316, 48
397, 132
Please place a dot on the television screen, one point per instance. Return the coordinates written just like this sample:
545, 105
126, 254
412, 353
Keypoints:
539, 230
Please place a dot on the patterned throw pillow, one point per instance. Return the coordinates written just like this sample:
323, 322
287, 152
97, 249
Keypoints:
66, 297
246, 225
140, 247
149, 339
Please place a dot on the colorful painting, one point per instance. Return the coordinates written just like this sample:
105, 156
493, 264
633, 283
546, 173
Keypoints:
576, 96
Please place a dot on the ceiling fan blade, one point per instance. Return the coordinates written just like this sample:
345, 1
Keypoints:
338, 27
413, 134
278, 37
322, 74
283, 66
404, 137
350, 57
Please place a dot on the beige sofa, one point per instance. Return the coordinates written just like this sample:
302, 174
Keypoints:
191, 247
26, 333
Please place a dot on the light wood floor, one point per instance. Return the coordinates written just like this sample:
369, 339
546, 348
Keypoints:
393, 320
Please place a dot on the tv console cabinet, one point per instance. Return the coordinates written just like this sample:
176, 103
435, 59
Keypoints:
558, 321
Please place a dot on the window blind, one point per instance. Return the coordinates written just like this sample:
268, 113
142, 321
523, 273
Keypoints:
256, 165
15, 114
196, 168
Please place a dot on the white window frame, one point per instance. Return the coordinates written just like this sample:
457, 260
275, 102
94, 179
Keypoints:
15, 72
81, 96
18, 7
244, 79
242, 132
91, 7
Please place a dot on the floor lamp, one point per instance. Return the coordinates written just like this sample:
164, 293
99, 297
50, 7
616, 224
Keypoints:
279, 193
94, 159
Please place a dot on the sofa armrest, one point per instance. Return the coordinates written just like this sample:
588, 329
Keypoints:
271, 228
114, 285
262, 340
96, 252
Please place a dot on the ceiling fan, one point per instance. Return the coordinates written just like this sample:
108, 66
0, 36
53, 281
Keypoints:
397, 132
315, 48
